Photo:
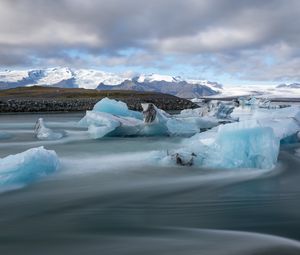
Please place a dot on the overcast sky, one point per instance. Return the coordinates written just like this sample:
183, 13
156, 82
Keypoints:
230, 41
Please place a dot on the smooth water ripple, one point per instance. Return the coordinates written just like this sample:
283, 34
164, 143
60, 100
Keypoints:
107, 198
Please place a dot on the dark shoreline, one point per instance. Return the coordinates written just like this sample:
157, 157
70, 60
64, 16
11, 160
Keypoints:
42, 99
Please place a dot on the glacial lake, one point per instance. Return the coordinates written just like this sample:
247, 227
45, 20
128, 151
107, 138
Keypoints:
107, 199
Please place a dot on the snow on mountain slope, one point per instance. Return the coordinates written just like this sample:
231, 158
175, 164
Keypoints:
213, 85
90, 79
82, 78
12, 76
52, 76
157, 77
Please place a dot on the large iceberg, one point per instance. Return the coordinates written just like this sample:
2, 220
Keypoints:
28, 166
44, 133
252, 143
113, 118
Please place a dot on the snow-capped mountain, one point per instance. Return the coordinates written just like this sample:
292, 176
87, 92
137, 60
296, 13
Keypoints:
92, 79
60, 77
157, 77
165, 84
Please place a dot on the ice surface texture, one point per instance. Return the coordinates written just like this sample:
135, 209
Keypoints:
28, 166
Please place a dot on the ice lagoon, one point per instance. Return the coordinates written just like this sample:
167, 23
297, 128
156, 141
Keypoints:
127, 195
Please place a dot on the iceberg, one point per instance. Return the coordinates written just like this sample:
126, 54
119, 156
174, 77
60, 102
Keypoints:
241, 148
252, 143
115, 107
101, 124
28, 166
215, 111
113, 118
44, 133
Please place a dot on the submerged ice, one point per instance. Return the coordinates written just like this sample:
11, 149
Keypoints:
28, 166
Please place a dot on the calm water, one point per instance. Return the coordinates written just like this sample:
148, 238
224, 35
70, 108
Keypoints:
107, 198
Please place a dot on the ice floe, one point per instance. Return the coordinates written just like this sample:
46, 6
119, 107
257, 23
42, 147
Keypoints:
28, 166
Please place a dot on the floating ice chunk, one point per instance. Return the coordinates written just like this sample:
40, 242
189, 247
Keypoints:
115, 107
28, 166
255, 147
253, 143
217, 110
118, 121
101, 124
189, 126
161, 123
44, 133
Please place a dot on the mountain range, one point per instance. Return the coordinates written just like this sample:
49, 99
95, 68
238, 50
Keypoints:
95, 79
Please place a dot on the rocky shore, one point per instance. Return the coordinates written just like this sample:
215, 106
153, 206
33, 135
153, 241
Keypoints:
44, 99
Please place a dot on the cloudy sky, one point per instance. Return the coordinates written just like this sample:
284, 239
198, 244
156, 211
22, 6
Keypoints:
230, 41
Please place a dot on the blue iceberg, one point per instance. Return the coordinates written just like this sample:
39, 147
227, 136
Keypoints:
28, 166
113, 118
252, 143
117, 108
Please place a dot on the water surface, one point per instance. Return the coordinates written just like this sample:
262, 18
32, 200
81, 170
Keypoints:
107, 198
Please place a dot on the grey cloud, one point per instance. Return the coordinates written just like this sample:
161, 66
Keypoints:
224, 30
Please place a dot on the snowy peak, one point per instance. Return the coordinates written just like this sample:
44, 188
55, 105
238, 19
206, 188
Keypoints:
82, 78
90, 79
207, 83
52, 76
12, 76
157, 77
95, 79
